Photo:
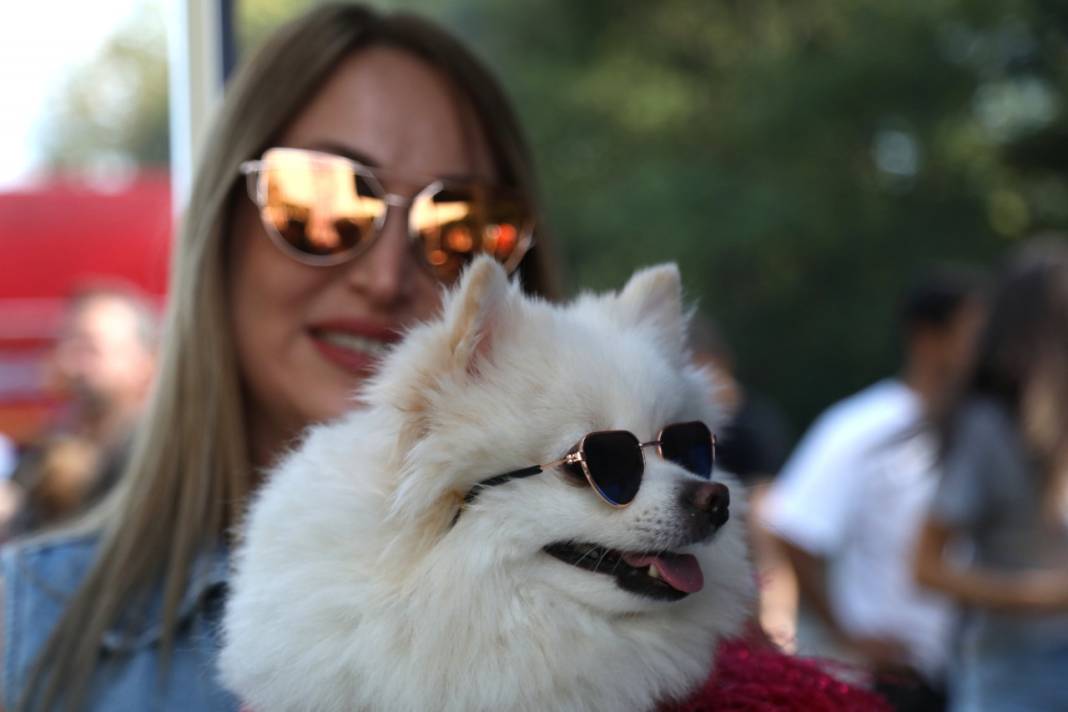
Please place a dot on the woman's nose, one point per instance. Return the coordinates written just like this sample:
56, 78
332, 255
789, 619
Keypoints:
385, 272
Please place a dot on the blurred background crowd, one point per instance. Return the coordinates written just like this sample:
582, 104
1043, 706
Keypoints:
848, 186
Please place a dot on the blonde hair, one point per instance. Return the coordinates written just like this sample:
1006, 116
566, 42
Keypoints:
189, 472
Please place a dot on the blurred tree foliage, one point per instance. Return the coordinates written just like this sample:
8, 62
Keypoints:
798, 159
113, 112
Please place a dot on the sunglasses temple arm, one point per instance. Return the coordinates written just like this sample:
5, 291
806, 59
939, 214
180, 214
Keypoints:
501, 479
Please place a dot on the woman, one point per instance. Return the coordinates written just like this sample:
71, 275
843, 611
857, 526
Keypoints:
358, 162
1004, 491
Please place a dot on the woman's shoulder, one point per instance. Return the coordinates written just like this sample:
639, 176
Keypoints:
983, 419
38, 576
987, 451
51, 564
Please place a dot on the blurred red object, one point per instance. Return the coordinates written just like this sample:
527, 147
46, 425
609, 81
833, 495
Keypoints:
752, 677
55, 238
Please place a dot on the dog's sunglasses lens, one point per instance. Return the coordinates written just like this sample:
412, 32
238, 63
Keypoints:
315, 205
689, 445
615, 463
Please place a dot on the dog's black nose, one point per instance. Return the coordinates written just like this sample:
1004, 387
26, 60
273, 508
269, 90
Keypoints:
710, 499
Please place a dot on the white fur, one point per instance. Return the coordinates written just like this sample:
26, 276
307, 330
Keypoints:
352, 590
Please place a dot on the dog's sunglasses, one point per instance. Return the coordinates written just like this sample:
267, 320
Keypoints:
612, 462
323, 209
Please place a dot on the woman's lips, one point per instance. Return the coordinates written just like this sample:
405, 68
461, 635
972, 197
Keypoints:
355, 347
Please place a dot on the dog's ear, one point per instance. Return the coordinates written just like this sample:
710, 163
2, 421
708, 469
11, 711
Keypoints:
653, 298
449, 350
473, 315
474, 311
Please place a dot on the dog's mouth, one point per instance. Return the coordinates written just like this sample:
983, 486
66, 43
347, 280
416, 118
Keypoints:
665, 576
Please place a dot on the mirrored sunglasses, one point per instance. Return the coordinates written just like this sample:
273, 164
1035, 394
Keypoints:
612, 462
323, 209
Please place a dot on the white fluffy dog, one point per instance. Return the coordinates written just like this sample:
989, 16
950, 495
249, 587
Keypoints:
364, 582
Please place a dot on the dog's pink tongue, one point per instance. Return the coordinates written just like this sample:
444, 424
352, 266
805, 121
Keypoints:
681, 571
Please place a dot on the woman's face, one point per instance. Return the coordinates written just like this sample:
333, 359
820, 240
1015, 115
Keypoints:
306, 336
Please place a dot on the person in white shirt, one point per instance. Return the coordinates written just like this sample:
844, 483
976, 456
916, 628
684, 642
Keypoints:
848, 504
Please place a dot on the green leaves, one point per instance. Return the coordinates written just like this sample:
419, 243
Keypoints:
798, 159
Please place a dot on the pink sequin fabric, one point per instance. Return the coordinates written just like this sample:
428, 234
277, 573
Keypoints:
754, 678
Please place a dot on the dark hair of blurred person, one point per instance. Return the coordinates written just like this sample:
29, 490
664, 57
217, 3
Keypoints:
941, 313
101, 366
1004, 494
755, 441
260, 343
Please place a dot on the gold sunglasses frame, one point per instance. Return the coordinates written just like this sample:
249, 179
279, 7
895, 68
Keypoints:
576, 456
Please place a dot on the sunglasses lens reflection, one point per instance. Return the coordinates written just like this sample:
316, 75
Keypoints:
455, 224
614, 459
315, 203
689, 445
325, 210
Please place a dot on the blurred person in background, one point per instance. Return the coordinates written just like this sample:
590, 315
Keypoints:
10, 493
848, 504
286, 287
8, 458
102, 365
753, 445
755, 441
1004, 495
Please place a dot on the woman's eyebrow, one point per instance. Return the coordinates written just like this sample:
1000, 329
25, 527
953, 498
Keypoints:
354, 154
463, 178
340, 149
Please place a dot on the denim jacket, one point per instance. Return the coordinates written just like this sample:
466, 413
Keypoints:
40, 575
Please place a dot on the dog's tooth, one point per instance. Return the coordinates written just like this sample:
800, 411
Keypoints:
653, 572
